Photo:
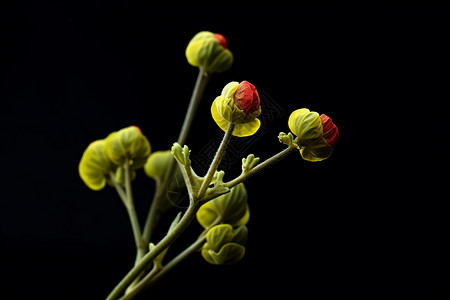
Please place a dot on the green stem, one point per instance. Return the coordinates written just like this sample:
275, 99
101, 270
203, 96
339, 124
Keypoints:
139, 286
119, 189
157, 274
197, 94
140, 245
150, 256
127, 199
154, 213
216, 161
268, 162
174, 262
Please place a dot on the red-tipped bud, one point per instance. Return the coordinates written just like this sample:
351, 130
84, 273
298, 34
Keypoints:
136, 127
246, 98
330, 131
209, 51
222, 40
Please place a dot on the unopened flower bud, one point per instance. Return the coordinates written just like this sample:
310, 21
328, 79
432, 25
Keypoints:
128, 143
224, 245
209, 51
239, 104
231, 208
316, 135
95, 165
157, 164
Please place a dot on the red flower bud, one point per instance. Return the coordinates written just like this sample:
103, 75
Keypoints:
222, 40
246, 98
330, 131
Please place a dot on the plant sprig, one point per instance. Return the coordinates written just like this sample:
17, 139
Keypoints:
221, 207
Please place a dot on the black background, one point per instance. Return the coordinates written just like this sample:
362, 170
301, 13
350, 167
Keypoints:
369, 219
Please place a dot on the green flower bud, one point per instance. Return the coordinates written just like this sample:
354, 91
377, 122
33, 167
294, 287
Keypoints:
209, 51
157, 163
231, 208
128, 143
224, 245
95, 165
156, 167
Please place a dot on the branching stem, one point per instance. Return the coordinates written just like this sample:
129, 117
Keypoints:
216, 161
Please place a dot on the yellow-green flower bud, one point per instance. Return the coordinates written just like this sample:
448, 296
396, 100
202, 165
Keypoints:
317, 135
238, 104
224, 245
95, 165
157, 163
209, 51
128, 143
231, 208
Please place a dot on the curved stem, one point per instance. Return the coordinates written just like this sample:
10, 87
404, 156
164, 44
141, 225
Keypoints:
216, 161
150, 256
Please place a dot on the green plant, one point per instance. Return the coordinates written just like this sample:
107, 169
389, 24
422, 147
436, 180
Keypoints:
221, 207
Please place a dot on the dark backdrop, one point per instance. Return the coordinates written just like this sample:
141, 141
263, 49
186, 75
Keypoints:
369, 219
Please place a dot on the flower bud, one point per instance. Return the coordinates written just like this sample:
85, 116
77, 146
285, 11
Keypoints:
209, 51
128, 143
157, 164
238, 104
95, 165
316, 135
224, 245
230, 208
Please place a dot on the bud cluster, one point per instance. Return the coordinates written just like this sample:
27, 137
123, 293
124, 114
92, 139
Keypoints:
109, 156
225, 242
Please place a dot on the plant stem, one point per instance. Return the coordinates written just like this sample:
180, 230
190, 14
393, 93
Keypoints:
179, 258
268, 162
140, 245
157, 274
197, 94
154, 213
139, 286
150, 256
216, 161
119, 189
127, 200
